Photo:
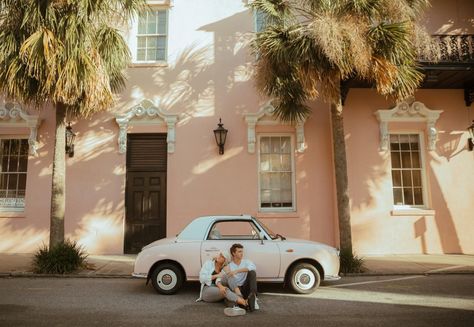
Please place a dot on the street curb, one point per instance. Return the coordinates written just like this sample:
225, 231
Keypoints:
33, 275
408, 273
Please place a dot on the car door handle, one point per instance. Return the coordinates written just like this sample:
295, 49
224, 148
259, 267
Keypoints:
211, 250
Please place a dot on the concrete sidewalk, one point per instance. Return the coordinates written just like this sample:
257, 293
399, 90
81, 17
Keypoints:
19, 264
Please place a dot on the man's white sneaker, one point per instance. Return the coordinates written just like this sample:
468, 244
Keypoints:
235, 311
257, 307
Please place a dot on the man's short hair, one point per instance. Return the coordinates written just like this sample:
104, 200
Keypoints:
234, 247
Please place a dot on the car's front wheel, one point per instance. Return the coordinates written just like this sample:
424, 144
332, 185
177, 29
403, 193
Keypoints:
304, 278
167, 278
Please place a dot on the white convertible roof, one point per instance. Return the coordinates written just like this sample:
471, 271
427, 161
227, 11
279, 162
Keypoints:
196, 229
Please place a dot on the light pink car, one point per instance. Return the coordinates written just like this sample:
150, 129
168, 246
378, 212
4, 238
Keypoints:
300, 264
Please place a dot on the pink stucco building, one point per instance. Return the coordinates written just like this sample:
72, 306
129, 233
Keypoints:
148, 166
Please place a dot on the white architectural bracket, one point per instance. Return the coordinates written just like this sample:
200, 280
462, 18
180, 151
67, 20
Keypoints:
12, 115
146, 113
265, 117
408, 112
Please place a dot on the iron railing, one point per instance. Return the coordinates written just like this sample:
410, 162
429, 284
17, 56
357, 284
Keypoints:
455, 48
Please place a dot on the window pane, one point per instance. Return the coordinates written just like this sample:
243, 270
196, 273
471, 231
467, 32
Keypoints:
406, 174
396, 178
394, 144
265, 180
13, 164
24, 148
404, 142
3, 181
416, 178
141, 54
265, 196
150, 54
23, 164
161, 42
276, 199
286, 198
162, 22
397, 196
418, 196
265, 145
276, 164
415, 156
161, 54
275, 142
406, 160
151, 42
395, 156
286, 162
14, 147
235, 229
142, 24
285, 181
414, 142
151, 24
265, 162
285, 145
408, 196
12, 180
275, 181
141, 42
22, 183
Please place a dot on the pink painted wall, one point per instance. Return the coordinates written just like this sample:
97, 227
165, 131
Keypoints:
209, 76
375, 229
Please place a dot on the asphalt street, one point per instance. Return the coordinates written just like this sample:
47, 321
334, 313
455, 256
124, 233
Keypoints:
437, 300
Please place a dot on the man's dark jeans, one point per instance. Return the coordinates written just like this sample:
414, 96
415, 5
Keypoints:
250, 284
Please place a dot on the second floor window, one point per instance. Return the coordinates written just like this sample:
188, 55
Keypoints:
152, 36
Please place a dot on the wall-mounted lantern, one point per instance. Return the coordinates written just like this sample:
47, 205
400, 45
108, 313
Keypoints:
470, 140
220, 133
70, 136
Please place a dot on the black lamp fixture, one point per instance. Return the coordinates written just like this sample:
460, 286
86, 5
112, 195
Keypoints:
470, 140
70, 136
220, 133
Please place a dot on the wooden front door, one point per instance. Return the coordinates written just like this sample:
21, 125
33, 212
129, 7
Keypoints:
145, 195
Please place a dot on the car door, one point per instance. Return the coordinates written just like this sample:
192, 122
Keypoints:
264, 253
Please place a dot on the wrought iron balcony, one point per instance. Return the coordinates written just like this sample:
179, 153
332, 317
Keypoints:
455, 66
454, 48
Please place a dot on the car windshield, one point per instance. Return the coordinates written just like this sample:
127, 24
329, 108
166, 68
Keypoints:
268, 230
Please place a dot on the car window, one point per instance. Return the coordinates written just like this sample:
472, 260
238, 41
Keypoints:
233, 230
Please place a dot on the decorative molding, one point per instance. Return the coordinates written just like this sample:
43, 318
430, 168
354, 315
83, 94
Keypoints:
13, 115
408, 112
266, 111
146, 113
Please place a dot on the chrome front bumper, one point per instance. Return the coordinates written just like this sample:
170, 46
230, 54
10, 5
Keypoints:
139, 275
331, 278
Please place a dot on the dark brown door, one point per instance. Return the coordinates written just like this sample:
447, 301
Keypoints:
145, 200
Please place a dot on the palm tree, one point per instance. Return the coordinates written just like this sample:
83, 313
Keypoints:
309, 47
63, 53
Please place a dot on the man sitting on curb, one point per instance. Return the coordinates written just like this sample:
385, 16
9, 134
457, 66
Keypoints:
244, 281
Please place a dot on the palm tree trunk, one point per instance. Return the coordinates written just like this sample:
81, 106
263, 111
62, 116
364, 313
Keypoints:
340, 168
58, 196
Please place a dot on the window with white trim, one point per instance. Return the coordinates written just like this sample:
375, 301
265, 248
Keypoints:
152, 36
407, 170
276, 173
13, 170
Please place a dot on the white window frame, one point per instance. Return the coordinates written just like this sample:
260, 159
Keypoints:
424, 179
133, 39
293, 173
17, 137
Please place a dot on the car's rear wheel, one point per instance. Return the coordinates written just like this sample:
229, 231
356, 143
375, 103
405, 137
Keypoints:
167, 278
304, 278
